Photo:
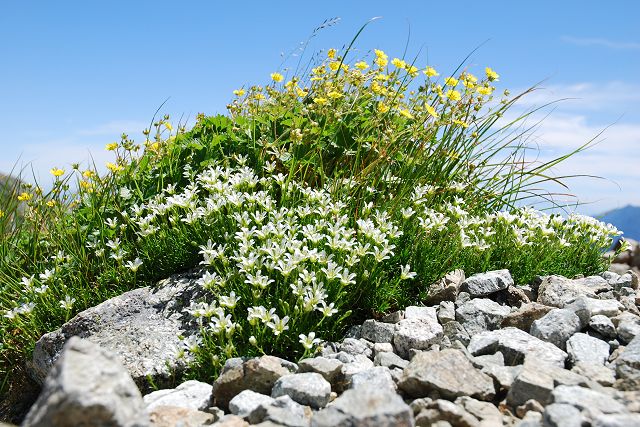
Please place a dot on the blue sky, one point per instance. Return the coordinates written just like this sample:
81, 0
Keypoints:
75, 75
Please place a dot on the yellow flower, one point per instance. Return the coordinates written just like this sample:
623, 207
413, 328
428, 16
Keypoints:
1, 213
413, 70
331, 53
334, 65
453, 95
361, 65
399, 63
382, 62
113, 167
155, 146
491, 75
461, 123
87, 186
112, 146
335, 94
320, 100
51, 203
382, 107
277, 77
382, 77
377, 88
380, 54
88, 173
406, 113
484, 90
239, 92
431, 111
24, 197
168, 126
301, 93
259, 97
451, 81
56, 172
319, 70
431, 72
469, 80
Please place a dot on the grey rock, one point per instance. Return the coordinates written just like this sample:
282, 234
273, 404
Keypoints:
282, 411
628, 366
496, 359
376, 377
606, 307
257, 374
529, 405
449, 373
190, 394
603, 375
558, 291
523, 317
515, 296
531, 419
628, 329
531, 383
561, 415
394, 317
603, 325
140, 326
245, 402
616, 420
382, 347
514, 344
390, 360
87, 386
230, 420
630, 303
591, 401
556, 327
417, 334
443, 410
426, 313
169, 416
361, 363
462, 298
581, 308
584, 348
484, 284
377, 332
354, 332
486, 412
504, 376
330, 369
454, 331
446, 312
446, 289
356, 346
309, 388
365, 407
481, 314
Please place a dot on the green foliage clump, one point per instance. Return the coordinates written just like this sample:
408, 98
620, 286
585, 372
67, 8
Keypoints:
317, 201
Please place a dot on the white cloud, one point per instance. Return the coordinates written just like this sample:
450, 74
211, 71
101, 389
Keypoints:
618, 96
615, 158
600, 42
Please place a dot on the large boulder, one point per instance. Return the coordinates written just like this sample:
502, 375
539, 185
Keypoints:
558, 291
483, 284
481, 314
87, 386
140, 326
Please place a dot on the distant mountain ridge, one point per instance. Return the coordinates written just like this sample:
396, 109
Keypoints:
626, 219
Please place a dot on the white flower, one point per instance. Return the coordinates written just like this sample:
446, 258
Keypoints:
41, 289
67, 302
46, 276
192, 343
134, 265
125, 193
326, 310
308, 341
253, 341
28, 283
406, 273
278, 325
229, 301
111, 222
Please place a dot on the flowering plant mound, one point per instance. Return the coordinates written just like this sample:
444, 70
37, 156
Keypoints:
320, 200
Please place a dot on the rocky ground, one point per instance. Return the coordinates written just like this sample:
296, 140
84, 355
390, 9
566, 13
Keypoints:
482, 352
628, 260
